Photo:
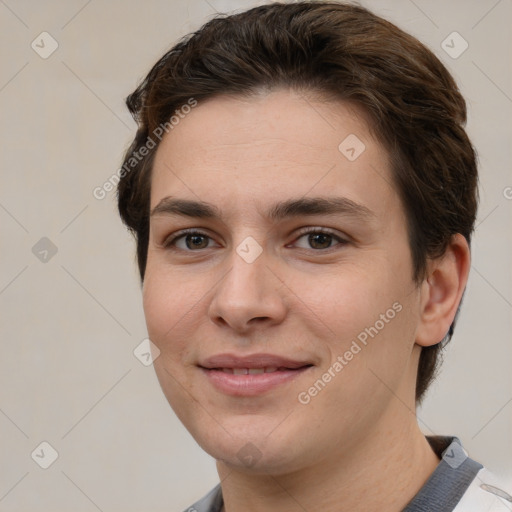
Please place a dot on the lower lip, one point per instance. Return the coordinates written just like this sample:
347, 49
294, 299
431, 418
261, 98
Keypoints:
250, 384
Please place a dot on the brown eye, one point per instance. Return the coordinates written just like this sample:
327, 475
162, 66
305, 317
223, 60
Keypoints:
188, 241
319, 239
196, 241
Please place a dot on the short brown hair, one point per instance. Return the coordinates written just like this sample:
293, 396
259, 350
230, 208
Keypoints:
344, 52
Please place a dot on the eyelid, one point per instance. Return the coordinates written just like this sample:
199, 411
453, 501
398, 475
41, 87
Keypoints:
326, 231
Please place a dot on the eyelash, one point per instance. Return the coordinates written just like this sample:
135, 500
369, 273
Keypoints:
169, 243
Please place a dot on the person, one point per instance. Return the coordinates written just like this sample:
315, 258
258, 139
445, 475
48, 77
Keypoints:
303, 194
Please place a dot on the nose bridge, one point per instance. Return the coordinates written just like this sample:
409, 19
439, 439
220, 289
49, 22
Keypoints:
249, 290
246, 281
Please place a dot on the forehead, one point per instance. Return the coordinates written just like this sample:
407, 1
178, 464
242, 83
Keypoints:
240, 151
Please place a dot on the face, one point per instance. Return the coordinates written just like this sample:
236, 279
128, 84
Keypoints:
283, 304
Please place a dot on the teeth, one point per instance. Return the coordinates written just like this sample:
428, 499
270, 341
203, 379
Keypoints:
250, 371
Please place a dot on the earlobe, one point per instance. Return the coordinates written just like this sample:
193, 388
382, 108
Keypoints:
442, 290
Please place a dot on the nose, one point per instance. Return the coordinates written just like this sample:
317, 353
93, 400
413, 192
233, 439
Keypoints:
251, 294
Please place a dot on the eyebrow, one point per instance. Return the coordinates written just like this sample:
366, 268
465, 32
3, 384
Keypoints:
303, 206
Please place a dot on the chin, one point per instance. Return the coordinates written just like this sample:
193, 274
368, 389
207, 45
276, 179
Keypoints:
246, 444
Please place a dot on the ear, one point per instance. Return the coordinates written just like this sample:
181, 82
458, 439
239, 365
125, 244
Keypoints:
441, 291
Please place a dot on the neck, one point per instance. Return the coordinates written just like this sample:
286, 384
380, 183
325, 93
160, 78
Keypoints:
383, 471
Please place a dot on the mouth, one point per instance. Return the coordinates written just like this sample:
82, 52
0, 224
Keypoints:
250, 371
251, 375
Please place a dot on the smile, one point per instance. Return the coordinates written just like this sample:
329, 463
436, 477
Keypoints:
251, 375
249, 371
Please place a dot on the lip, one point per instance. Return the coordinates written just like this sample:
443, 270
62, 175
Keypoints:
283, 370
252, 361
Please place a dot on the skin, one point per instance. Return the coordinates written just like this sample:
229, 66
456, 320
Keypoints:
357, 444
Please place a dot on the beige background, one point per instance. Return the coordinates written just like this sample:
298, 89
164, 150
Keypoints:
70, 324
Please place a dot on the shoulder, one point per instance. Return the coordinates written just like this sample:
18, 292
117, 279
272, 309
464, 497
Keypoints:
488, 492
212, 502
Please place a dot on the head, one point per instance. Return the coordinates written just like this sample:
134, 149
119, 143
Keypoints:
289, 102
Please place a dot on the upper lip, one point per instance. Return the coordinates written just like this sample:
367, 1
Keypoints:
251, 361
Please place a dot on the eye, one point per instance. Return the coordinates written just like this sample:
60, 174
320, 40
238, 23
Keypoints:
319, 239
189, 239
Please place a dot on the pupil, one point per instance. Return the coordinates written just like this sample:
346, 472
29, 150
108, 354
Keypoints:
196, 240
322, 238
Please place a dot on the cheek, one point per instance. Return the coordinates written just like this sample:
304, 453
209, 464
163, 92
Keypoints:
166, 307
373, 316
374, 357
352, 299
157, 303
